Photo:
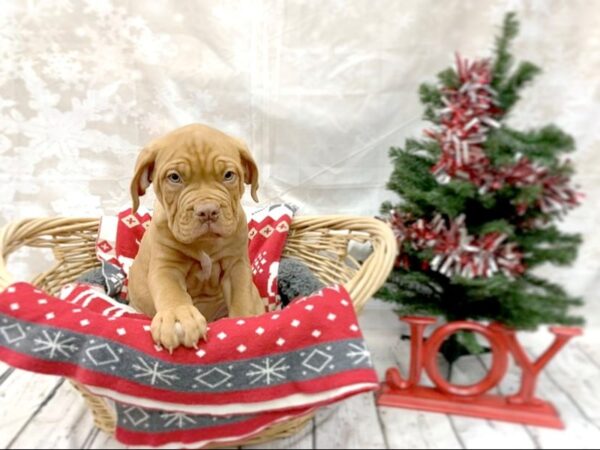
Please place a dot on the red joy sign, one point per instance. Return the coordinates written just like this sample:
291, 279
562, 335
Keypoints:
473, 400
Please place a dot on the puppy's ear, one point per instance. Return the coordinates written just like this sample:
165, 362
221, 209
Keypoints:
250, 170
144, 167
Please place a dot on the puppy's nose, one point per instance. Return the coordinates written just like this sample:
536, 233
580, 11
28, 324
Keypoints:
207, 212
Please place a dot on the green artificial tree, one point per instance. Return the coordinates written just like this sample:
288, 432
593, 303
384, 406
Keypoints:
479, 202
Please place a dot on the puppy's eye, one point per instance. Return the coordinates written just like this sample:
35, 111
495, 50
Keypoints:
174, 177
229, 175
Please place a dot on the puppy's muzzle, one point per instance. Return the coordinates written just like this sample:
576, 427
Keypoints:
207, 212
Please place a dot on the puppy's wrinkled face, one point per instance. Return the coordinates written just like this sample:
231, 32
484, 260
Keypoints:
198, 175
200, 190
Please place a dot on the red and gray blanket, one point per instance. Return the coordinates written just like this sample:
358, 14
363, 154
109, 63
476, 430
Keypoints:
252, 372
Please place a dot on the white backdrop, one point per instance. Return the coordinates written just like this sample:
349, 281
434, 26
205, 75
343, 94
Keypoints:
319, 90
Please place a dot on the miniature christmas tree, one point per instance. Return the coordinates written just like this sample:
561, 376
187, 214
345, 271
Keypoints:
480, 201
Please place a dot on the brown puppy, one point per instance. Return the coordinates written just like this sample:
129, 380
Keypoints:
193, 263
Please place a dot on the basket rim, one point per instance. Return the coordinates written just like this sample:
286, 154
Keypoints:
35, 232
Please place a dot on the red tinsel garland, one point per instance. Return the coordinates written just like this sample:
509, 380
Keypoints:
469, 113
455, 251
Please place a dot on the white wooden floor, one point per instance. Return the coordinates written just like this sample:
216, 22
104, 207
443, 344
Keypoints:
45, 412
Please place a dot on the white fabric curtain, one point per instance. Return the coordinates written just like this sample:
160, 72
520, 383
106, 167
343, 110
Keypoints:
318, 89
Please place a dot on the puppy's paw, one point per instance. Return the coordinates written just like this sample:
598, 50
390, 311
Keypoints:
183, 325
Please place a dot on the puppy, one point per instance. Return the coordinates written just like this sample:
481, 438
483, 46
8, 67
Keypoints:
193, 265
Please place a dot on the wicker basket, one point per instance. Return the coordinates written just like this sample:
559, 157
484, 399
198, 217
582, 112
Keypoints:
321, 242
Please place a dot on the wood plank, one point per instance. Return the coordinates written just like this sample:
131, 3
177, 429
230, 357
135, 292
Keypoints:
90, 438
381, 330
383, 348
352, 423
458, 431
21, 396
509, 385
483, 433
591, 350
64, 422
579, 432
575, 372
406, 428
105, 441
4, 374
410, 429
304, 439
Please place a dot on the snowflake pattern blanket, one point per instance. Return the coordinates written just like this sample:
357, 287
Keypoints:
252, 372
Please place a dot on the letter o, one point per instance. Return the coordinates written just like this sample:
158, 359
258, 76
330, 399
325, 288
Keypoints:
495, 373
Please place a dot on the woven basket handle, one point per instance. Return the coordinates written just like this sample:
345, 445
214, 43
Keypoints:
41, 233
376, 268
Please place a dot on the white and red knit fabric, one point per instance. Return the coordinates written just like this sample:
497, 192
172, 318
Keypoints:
119, 239
250, 374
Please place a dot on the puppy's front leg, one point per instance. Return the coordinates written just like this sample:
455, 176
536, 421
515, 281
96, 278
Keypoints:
174, 306
241, 296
